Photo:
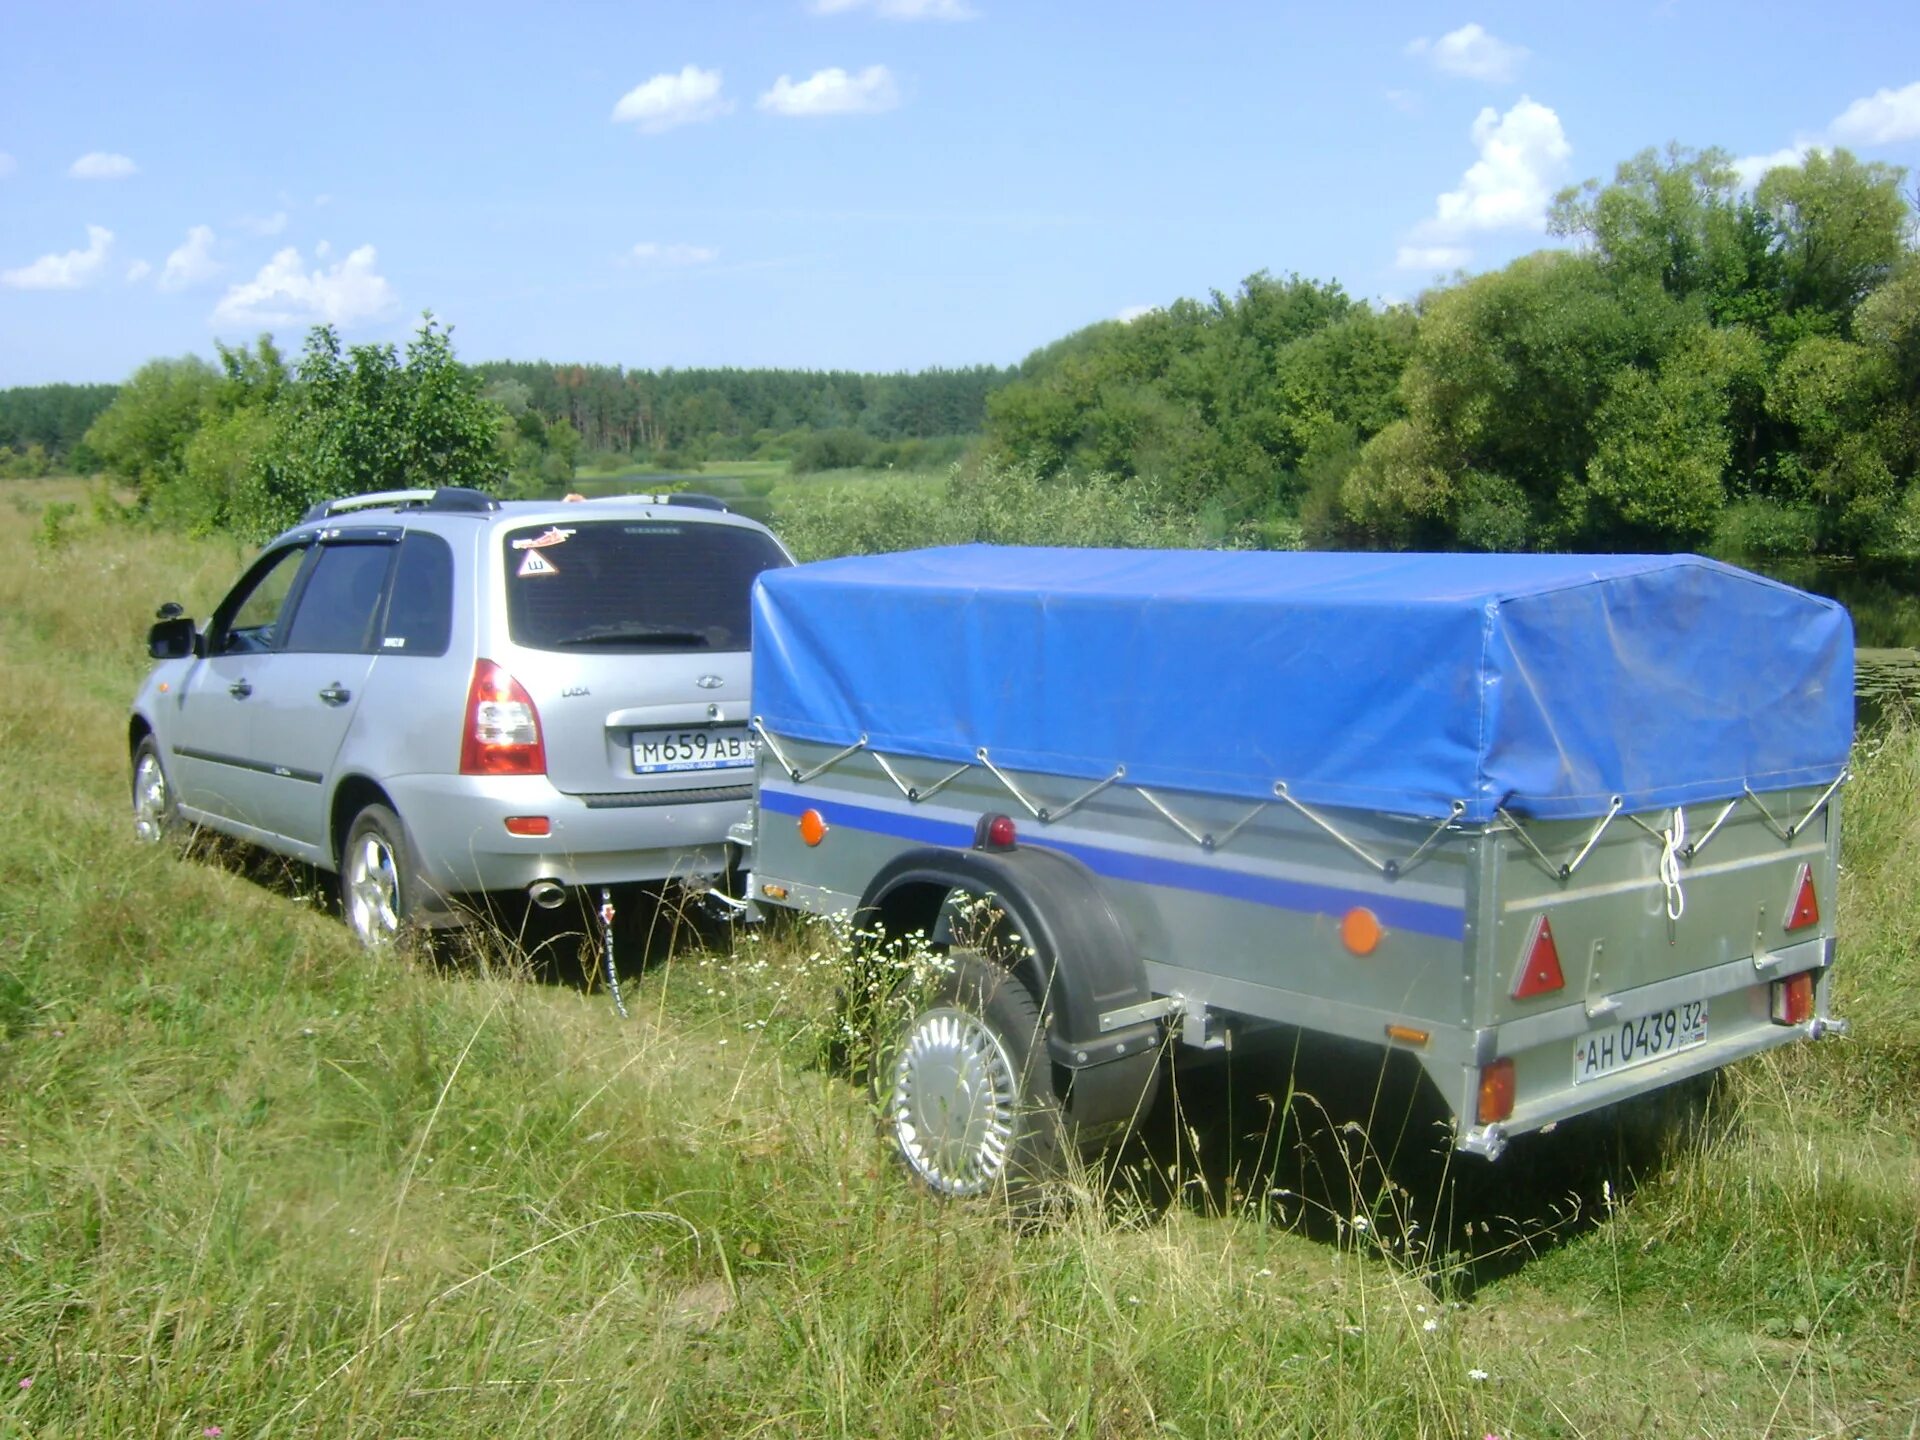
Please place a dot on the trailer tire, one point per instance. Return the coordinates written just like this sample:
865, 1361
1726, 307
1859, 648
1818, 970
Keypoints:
968, 1097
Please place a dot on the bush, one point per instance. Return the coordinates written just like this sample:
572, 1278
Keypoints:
833, 450
997, 503
1749, 528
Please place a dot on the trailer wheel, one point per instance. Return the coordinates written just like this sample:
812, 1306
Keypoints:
969, 1096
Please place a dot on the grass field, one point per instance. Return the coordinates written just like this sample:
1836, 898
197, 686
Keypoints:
255, 1182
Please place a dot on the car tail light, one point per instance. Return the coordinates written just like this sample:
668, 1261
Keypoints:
1793, 999
1805, 907
1496, 1091
503, 728
1540, 971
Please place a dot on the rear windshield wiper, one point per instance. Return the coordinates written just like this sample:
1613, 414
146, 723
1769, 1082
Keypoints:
635, 635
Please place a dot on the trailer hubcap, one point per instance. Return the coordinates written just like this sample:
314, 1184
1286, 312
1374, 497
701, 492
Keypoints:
955, 1102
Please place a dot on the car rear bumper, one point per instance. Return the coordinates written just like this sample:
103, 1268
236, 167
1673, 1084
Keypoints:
462, 845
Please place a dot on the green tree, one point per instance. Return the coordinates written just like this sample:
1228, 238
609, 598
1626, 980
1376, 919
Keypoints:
359, 421
1840, 230
142, 437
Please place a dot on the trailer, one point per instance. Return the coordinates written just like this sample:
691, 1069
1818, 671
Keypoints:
1563, 828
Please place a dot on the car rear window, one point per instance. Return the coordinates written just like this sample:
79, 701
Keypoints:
630, 586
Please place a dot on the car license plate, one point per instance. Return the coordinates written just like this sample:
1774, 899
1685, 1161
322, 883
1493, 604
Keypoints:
705, 747
1639, 1040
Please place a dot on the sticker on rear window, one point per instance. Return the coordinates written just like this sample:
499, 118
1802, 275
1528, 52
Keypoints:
554, 536
537, 564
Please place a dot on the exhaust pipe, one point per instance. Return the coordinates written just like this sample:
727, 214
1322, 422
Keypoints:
547, 894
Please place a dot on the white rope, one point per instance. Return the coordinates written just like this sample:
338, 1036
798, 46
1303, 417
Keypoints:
1673, 841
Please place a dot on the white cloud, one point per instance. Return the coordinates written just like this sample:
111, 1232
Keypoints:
64, 272
1883, 118
1471, 52
264, 224
192, 263
1751, 168
138, 271
834, 92
7, 165
652, 252
99, 165
900, 9
667, 101
1131, 313
1522, 156
286, 293
1432, 257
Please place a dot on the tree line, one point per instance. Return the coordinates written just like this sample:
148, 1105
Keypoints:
1708, 366
42, 426
611, 416
731, 414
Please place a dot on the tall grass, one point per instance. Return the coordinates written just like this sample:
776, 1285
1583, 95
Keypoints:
252, 1178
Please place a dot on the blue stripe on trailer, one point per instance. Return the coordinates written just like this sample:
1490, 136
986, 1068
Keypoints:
1418, 917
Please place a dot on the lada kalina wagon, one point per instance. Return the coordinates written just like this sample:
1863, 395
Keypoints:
437, 694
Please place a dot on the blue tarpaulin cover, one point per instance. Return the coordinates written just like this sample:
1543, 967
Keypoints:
1543, 683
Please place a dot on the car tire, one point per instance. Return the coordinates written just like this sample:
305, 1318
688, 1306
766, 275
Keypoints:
968, 1097
155, 816
378, 883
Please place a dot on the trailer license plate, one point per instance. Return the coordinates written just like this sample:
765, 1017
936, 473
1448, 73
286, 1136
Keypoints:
711, 747
1639, 1040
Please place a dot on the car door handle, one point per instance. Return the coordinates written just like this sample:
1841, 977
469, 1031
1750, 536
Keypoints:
334, 695
240, 689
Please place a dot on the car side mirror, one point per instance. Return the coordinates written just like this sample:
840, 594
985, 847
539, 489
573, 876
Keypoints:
173, 639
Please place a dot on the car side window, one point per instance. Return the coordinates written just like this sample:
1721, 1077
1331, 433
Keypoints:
340, 601
247, 621
420, 610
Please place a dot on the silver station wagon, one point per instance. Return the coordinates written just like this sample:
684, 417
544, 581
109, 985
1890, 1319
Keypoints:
436, 694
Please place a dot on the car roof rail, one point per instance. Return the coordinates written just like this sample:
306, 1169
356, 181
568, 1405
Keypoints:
324, 508
457, 499
698, 502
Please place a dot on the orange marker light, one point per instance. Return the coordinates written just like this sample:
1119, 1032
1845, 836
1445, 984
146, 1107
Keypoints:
1496, 1092
535, 825
1360, 930
813, 827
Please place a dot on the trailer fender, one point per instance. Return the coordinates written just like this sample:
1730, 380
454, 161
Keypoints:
1083, 962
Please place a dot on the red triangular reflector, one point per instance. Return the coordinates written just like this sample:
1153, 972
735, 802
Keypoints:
1541, 973
1806, 904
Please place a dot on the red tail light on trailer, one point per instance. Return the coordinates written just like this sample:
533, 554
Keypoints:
502, 726
1792, 999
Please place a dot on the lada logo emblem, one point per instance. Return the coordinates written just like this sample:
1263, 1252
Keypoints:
709, 682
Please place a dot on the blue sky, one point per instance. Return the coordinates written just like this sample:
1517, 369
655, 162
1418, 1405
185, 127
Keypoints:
868, 184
